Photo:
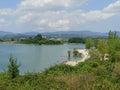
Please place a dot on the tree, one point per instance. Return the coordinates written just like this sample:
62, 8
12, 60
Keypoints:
76, 40
13, 68
12, 39
89, 43
102, 47
94, 54
38, 37
112, 35
69, 55
113, 45
76, 53
96, 42
117, 56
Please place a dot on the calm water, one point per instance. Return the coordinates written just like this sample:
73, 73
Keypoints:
34, 58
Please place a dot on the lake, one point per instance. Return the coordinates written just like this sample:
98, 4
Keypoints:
35, 58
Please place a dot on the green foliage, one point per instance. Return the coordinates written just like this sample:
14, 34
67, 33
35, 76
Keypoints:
102, 47
12, 39
89, 43
109, 46
117, 56
112, 35
53, 42
1, 40
93, 74
95, 54
102, 72
96, 42
69, 55
39, 40
58, 70
76, 53
13, 68
38, 37
113, 45
76, 40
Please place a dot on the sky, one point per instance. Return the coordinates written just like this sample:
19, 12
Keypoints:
20, 16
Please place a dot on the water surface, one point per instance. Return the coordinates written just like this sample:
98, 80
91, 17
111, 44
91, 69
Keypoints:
35, 58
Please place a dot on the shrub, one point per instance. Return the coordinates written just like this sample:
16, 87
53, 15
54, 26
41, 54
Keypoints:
13, 68
117, 56
59, 70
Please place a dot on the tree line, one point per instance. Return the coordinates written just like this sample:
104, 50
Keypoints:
38, 39
110, 46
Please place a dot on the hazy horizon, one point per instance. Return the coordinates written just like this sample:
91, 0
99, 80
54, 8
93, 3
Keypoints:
19, 16
56, 31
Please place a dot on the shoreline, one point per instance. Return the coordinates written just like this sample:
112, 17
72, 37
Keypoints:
8, 42
85, 54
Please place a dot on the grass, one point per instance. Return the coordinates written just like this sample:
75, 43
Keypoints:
88, 75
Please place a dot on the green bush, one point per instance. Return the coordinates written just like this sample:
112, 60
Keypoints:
13, 68
117, 56
59, 70
76, 40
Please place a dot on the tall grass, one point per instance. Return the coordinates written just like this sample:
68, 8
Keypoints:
88, 75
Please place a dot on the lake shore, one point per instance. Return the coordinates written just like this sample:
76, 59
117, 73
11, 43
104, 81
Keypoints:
8, 42
85, 54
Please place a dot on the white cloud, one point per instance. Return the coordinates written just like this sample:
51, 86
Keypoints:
55, 14
3, 23
33, 3
2, 20
96, 15
6, 11
25, 18
41, 22
50, 4
113, 8
75, 16
60, 24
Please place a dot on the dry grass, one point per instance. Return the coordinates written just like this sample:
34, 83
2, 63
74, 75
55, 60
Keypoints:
75, 82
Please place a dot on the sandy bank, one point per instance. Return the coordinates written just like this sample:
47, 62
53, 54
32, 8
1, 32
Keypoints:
85, 56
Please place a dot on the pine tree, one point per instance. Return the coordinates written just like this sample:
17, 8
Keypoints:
13, 68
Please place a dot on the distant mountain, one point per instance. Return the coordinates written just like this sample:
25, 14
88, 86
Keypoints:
30, 33
68, 34
2, 33
9, 35
15, 36
118, 33
61, 34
